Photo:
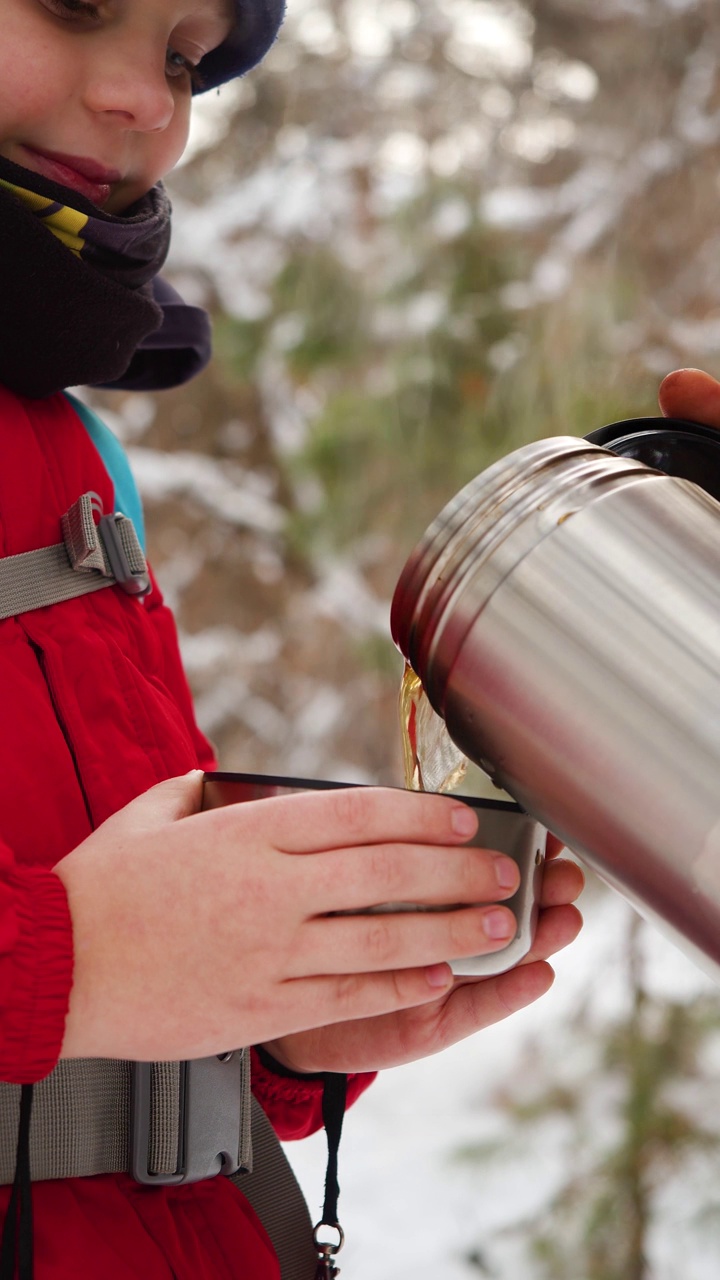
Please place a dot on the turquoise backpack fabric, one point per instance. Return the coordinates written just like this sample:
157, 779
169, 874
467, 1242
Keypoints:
127, 498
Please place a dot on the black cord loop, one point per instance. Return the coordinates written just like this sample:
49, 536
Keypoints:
333, 1113
16, 1249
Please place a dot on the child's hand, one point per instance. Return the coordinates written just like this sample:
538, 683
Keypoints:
195, 933
473, 1003
691, 394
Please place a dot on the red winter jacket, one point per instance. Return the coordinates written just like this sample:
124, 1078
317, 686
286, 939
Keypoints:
95, 709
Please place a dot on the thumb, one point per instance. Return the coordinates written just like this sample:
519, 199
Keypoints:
166, 802
693, 394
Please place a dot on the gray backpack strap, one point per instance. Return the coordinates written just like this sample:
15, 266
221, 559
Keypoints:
89, 1117
80, 1120
89, 558
273, 1191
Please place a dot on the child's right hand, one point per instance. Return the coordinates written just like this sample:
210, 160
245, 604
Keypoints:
195, 933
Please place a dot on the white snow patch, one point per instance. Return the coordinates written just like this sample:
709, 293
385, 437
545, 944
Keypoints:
238, 496
343, 594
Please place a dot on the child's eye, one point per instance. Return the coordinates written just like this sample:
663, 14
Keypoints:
178, 65
71, 9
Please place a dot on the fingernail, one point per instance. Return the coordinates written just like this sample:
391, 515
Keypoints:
506, 872
498, 924
438, 975
463, 820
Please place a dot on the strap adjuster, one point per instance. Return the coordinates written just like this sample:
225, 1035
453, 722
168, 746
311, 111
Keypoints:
121, 547
110, 547
89, 558
211, 1114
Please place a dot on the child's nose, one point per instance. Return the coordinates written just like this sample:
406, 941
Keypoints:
132, 87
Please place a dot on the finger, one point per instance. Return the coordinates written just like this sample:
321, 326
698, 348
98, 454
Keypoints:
353, 879
522, 986
398, 940
693, 394
562, 881
478, 1003
323, 1001
417, 1032
167, 802
315, 821
557, 927
553, 846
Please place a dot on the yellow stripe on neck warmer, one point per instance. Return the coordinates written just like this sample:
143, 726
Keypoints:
64, 222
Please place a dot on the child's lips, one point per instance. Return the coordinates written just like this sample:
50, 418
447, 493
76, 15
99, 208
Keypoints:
90, 179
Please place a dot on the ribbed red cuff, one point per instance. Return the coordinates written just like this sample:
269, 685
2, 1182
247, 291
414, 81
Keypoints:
293, 1103
39, 970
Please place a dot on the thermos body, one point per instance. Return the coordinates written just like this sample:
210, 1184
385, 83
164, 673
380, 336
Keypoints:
563, 613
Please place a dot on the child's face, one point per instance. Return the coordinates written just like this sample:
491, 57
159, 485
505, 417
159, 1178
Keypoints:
105, 86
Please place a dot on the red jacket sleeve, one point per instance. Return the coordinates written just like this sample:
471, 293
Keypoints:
36, 962
293, 1103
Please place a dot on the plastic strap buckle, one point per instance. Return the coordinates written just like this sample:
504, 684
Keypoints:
211, 1115
111, 547
124, 554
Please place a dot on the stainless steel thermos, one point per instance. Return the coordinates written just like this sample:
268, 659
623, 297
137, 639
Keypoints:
563, 613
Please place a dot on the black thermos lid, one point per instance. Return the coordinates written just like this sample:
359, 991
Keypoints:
685, 449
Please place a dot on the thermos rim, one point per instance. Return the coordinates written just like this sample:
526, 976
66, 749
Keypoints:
481, 535
429, 559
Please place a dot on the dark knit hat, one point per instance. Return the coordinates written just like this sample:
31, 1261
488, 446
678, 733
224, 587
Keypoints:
256, 24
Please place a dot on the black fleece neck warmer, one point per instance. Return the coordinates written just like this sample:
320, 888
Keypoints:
82, 301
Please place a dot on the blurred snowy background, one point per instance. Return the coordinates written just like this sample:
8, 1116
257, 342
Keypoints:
428, 231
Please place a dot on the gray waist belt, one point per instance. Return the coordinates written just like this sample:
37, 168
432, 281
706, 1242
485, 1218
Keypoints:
161, 1121
165, 1123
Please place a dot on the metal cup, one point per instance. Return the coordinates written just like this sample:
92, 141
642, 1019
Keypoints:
503, 826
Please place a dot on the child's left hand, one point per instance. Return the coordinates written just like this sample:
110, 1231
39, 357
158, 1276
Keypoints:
369, 1044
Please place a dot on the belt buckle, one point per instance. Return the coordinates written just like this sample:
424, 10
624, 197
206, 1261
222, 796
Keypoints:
211, 1116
